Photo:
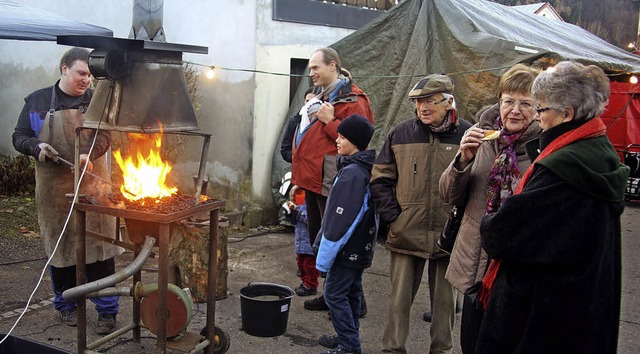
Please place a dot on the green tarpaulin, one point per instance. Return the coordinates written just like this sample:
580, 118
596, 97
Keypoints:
474, 41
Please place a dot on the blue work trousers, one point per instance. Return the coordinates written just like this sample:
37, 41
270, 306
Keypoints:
65, 278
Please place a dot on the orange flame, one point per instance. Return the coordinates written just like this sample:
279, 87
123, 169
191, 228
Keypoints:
144, 176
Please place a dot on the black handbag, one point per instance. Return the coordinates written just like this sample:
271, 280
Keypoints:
450, 230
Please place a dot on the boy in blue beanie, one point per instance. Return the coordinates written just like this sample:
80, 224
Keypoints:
348, 233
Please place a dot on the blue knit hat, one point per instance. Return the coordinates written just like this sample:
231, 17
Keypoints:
357, 130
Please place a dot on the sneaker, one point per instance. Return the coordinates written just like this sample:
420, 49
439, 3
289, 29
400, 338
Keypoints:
106, 323
328, 341
69, 317
302, 290
341, 350
316, 304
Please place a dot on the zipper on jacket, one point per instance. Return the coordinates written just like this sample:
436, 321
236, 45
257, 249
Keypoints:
415, 167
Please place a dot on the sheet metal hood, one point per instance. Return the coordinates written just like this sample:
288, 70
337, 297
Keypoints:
143, 84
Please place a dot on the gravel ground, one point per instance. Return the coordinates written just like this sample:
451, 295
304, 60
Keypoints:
19, 237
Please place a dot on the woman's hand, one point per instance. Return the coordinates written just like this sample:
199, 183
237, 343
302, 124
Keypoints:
469, 145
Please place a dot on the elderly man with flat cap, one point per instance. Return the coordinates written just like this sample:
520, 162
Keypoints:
404, 184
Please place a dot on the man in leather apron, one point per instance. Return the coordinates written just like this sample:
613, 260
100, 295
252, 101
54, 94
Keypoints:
46, 131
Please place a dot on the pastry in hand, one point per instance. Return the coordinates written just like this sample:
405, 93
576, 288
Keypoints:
490, 134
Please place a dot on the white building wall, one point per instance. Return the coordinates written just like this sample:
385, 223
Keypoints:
243, 111
277, 43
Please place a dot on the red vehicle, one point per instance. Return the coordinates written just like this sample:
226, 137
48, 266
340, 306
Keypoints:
622, 117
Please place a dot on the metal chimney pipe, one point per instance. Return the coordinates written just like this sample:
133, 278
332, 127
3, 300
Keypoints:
147, 20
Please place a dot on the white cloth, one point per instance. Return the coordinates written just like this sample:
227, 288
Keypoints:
305, 120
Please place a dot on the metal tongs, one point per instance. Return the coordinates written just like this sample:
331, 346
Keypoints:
90, 174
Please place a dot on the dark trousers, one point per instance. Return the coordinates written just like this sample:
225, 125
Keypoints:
343, 294
65, 278
315, 210
470, 322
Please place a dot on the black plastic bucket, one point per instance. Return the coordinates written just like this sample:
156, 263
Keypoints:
18, 345
265, 309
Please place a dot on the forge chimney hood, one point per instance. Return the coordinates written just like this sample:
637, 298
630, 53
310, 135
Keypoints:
142, 84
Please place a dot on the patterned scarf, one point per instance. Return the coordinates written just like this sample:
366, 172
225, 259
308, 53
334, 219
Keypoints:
505, 172
593, 128
446, 123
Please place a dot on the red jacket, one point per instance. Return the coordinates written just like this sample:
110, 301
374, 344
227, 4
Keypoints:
313, 160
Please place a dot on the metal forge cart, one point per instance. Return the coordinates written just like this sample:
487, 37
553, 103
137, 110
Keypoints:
142, 90
164, 223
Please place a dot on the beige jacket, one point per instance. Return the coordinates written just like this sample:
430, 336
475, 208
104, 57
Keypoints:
468, 260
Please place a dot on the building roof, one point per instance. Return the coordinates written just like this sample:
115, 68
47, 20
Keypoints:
544, 9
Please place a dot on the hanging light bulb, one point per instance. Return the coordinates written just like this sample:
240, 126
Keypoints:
633, 79
210, 74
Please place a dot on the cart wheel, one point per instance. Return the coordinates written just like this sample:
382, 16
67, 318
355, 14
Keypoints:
221, 339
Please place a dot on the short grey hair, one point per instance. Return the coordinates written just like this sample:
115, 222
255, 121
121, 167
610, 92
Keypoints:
449, 96
571, 84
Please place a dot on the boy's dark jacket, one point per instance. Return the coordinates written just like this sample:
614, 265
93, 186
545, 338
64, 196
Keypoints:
350, 221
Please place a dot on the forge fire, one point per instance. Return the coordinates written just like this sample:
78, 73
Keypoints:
144, 173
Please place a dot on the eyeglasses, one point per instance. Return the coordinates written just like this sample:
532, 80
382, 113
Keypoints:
510, 103
543, 109
432, 103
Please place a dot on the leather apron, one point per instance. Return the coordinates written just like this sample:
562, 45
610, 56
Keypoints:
54, 180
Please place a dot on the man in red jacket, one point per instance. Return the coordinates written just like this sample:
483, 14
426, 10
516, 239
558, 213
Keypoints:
313, 164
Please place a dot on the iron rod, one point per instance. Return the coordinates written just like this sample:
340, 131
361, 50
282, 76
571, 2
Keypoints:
81, 306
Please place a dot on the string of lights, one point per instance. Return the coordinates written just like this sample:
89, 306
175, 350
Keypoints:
210, 73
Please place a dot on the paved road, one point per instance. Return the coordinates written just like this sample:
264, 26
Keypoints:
270, 258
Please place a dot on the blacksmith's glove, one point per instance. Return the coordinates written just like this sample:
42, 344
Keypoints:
84, 159
44, 151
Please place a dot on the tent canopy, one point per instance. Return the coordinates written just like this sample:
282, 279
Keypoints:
474, 41
24, 22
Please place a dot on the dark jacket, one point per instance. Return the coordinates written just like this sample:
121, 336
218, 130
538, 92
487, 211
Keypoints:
313, 160
34, 111
350, 221
404, 184
558, 289
287, 138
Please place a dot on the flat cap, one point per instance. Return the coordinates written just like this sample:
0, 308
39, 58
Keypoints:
432, 84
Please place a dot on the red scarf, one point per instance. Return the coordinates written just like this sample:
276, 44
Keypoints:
593, 128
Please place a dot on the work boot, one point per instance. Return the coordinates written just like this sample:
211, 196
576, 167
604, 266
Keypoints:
328, 341
316, 304
106, 323
69, 317
302, 290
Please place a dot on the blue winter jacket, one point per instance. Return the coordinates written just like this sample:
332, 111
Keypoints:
350, 221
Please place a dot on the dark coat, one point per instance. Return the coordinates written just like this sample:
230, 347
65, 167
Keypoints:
350, 222
558, 289
287, 138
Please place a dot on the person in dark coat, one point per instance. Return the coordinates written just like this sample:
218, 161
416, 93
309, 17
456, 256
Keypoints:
292, 124
554, 283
